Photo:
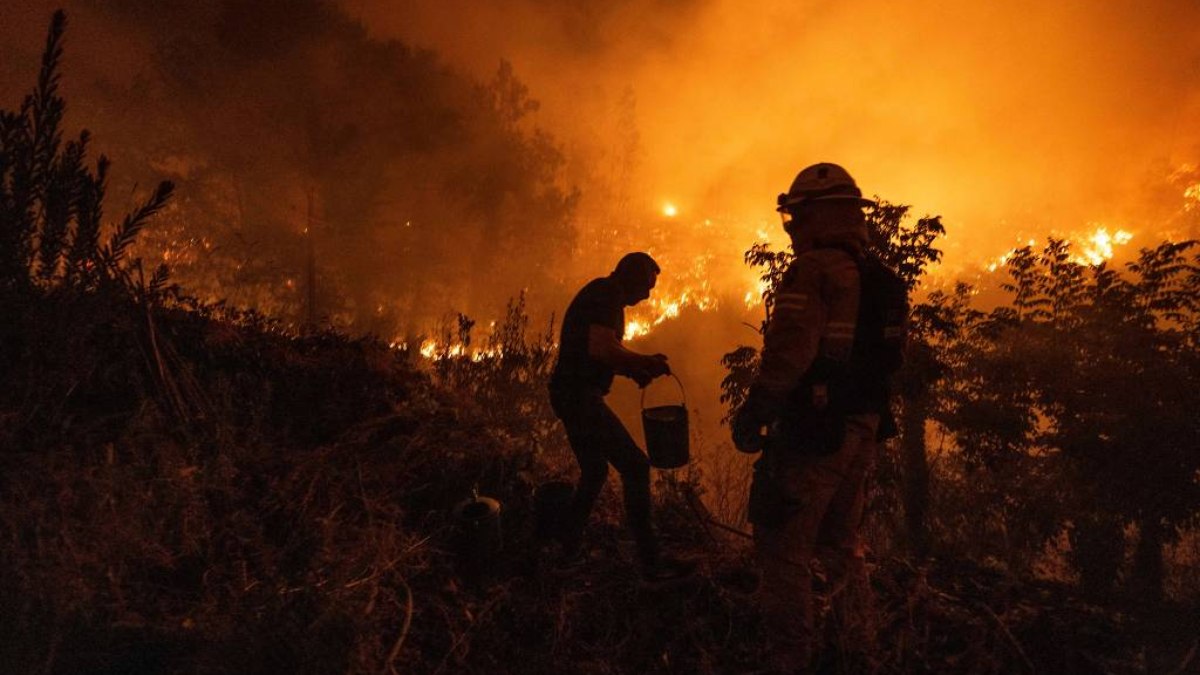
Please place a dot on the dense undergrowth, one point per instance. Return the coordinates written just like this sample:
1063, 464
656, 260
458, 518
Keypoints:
258, 539
190, 489
303, 523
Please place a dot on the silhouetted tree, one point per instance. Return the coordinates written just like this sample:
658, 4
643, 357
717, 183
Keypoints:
71, 293
51, 204
427, 184
1089, 374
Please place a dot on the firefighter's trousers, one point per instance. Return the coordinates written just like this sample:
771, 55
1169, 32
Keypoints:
825, 497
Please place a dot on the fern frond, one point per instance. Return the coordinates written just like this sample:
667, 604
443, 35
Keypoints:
129, 229
85, 249
31, 140
158, 280
45, 108
62, 200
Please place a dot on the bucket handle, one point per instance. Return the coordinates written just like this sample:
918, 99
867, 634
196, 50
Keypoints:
682, 393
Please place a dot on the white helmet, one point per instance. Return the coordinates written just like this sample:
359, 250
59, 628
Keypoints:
821, 182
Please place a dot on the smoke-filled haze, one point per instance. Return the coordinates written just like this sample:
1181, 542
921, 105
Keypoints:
388, 153
1012, 120
1002, 117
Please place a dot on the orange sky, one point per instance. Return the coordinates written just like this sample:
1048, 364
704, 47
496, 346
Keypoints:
1010, 119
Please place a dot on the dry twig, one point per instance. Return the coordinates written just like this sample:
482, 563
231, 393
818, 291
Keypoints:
390, 664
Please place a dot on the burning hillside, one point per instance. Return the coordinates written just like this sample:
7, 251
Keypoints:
404, 175
293, 412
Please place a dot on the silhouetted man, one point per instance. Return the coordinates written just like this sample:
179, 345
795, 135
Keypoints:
590, 354
832, 341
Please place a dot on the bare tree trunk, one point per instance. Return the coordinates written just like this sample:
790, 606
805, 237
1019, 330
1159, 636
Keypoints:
239, 196
310, 282
1097, 548
1148, 570
916, 474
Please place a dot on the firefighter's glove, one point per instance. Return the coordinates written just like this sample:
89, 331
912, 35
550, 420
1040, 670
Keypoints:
758, 411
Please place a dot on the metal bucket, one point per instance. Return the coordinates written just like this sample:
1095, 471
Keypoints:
477, 521
666, 430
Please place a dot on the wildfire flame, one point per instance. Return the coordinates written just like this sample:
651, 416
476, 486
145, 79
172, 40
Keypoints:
689, 287
754, 297
1092, 249
1099, 246
1192, 195
433, 350
663, 309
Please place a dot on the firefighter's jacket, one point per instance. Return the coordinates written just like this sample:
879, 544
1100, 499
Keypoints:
813, 321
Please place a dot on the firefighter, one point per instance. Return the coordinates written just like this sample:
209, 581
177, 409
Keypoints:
815, 406
590, 355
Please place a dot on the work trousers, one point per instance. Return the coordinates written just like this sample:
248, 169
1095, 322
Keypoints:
825, 497
598, 438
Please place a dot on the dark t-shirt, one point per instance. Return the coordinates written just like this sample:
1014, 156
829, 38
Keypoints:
597, 303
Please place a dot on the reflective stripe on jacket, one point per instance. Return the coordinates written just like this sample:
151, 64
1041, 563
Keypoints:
815, 315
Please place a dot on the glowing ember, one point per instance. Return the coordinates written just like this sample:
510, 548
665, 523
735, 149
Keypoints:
1192, 195
429, 349
432, 350
999, 262
754, 297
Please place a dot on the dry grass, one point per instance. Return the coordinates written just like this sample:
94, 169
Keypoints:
305, 526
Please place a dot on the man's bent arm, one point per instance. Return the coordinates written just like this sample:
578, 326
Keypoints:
604, 347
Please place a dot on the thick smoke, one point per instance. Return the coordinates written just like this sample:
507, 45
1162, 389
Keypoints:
431, 188
1010, 119
1013, 121
324, 174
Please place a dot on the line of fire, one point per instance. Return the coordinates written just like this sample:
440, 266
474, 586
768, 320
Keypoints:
625, 336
